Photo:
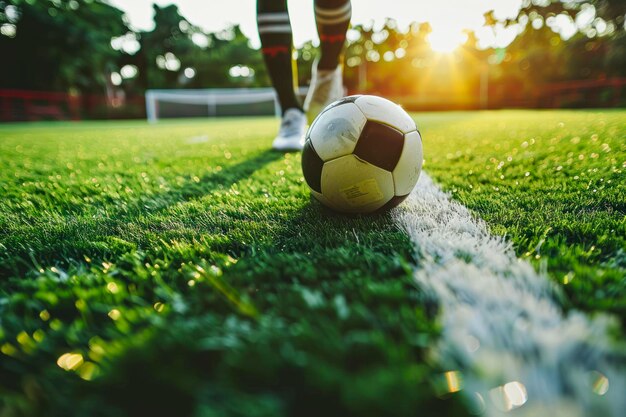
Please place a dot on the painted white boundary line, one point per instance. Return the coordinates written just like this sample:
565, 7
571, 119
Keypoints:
505, 337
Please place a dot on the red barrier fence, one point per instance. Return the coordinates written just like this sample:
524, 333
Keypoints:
606, 92
22, 105
37, 105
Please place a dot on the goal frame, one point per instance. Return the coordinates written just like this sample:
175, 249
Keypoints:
211, 98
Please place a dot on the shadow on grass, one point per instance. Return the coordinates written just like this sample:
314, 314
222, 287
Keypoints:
96, 236
339, 329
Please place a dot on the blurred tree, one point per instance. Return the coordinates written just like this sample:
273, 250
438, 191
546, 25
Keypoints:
230, 61
559, 41
611, 11
536, 57
162, 48
177, 54
59, 45
306, 55
86, 46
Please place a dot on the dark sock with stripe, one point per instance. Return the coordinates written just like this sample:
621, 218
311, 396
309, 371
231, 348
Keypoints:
276, 45
332, 18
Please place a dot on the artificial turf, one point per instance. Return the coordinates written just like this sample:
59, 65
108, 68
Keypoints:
183, 269
553, 182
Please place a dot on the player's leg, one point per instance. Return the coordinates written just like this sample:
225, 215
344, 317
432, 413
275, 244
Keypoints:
276, 45
332, 18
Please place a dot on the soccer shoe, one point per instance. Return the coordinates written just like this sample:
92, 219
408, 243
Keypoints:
292, 130
326, 87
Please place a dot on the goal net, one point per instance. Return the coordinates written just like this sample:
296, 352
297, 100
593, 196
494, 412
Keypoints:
216, 102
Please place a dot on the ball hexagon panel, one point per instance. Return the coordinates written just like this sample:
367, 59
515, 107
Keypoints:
384, 111
380, 145
348, 99
335, 133
312, 167
409, 166
353, 185
344, 100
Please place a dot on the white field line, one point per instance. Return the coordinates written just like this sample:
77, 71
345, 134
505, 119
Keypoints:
505, 338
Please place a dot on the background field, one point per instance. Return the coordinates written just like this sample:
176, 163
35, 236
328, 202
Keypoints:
176, 266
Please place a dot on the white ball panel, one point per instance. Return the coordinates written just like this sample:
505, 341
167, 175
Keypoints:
407, 172
354, 186
384, 111
334, 133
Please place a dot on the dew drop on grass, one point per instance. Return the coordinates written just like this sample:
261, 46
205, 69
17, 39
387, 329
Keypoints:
453, 381
23, 338
516, 393
599, 383
70, 361
568, 278
39, 335
112, 288
115, 314
87, 371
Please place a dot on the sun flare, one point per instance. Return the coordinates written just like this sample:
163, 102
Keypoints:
446, 40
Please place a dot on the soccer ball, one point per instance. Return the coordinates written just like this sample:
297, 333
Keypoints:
362, 154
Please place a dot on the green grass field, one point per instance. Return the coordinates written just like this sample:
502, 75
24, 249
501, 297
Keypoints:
183, 269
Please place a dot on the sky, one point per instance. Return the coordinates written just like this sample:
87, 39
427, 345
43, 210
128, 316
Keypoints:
447, 17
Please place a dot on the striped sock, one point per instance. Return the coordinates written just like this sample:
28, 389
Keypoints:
276, 45
332, 18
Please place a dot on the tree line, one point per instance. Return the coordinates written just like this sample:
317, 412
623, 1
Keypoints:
88, 47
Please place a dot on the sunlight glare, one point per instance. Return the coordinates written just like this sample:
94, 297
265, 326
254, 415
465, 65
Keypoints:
446, 40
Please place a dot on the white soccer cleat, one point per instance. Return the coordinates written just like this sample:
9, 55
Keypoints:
292, 130
326, 87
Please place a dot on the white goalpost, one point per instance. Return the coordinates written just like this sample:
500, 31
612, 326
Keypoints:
213, 102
